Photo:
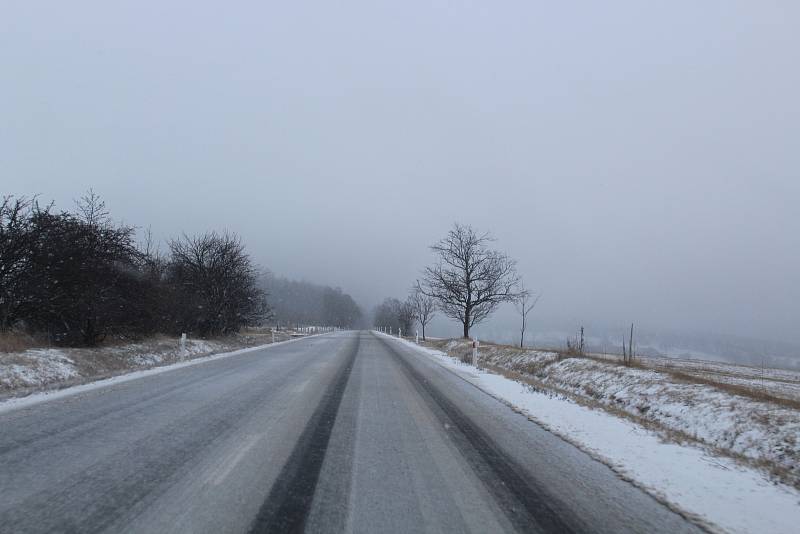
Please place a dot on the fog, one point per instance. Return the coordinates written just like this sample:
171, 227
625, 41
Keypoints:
639, 161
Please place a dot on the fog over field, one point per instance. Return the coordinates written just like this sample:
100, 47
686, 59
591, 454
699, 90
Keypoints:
639, 161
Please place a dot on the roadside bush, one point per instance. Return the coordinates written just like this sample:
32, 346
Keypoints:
215, 285
80, 275
77, 278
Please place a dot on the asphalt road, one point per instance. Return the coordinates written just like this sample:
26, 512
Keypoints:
349, 432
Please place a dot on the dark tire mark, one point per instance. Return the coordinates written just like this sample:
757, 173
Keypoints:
287, 507
528, 506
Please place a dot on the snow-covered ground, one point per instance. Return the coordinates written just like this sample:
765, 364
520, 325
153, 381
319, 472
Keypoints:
43, 396
719, 491
46, 368
36, 367
782, 383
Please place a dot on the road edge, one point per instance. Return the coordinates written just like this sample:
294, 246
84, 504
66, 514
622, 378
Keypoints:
16, 403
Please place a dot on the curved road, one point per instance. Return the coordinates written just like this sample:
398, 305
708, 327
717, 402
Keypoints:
349, 432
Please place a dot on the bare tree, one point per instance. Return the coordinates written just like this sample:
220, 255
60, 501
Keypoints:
15, 242
385, 314
92, 209
216, 283
525, 303
405, 316
395, 314
424, 306
470, 280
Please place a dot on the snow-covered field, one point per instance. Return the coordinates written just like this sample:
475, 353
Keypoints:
719, 491
47, 368
781, 383
778, 382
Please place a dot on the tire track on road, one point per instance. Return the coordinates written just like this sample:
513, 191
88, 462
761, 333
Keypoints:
527, 506
287, 507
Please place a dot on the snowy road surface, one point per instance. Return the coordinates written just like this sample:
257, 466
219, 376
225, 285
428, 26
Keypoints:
342, 433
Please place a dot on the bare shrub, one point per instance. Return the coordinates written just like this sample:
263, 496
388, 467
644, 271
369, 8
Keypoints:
215, 284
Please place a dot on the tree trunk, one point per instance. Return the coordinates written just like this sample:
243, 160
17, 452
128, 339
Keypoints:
89, 336
423, 331
466, 322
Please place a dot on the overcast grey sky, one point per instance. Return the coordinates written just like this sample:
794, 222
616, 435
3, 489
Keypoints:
639, 159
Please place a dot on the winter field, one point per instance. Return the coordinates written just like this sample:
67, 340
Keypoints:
769, 382
727, 459
44, 368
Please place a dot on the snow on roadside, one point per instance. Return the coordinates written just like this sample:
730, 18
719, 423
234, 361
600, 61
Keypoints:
717, 490
51, 367
764, 432
194, 347
37, 367
15, 403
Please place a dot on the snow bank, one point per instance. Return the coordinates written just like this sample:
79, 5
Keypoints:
718, 491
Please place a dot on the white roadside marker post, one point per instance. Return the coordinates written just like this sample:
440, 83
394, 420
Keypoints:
183, 345
475, 344
400, 332
273, 334
416, 338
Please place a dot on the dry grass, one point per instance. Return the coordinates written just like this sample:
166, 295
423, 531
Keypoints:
736, 389
14, 341
751, 392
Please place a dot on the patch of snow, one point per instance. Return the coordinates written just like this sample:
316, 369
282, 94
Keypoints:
37, 367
